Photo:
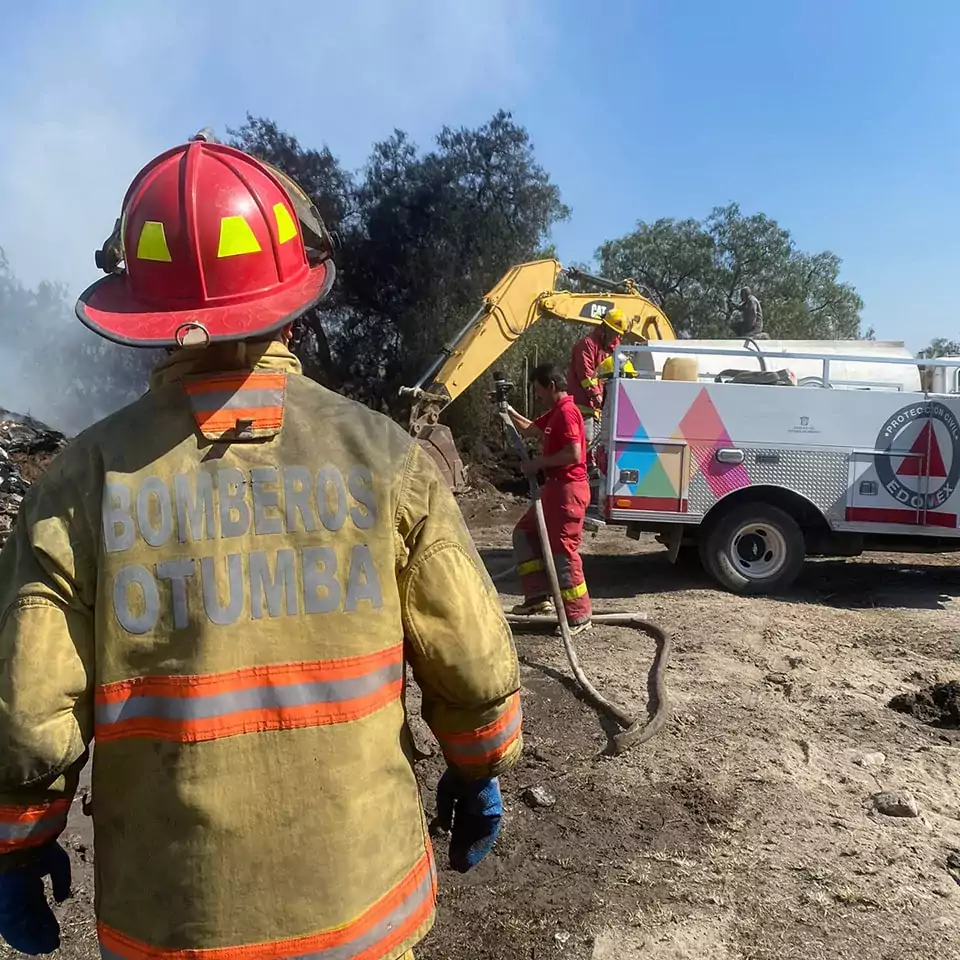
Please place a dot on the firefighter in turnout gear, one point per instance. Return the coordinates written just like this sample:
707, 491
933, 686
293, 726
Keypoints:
565, 496
221, 585
584, 381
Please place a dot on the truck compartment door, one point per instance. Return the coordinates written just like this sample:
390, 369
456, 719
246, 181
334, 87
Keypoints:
648, 475
869, 500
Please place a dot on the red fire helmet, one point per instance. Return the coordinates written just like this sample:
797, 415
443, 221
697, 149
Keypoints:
211, 245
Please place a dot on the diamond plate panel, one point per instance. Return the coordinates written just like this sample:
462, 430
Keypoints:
820, 476
700, 498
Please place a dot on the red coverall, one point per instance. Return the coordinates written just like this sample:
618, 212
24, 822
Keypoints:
565, 496
582, 381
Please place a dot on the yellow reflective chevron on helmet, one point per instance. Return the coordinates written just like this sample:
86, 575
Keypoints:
236, 238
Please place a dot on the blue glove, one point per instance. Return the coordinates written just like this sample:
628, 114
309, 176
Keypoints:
26, 921
471, 812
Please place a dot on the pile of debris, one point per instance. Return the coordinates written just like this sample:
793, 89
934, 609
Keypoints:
26, 448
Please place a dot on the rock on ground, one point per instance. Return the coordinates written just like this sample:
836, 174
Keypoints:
538, 797
896, 803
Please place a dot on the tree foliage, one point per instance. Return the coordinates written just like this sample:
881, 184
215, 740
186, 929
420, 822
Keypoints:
697, 267
435, 231
940, 347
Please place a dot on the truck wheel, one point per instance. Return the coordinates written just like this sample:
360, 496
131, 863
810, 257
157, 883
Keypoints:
754, 548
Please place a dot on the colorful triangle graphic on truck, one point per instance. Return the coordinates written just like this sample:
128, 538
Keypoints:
656, 483
628, 420
704, 431
701, 423
640, 457
926, 459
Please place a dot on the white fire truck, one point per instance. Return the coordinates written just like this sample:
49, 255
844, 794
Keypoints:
759, 468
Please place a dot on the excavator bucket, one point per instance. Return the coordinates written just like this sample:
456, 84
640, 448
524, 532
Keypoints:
437, 440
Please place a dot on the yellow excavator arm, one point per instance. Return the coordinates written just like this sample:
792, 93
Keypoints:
525, 294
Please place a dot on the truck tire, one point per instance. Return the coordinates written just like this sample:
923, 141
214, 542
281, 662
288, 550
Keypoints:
753, 548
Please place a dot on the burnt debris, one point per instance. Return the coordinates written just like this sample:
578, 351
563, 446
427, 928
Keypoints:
26, 448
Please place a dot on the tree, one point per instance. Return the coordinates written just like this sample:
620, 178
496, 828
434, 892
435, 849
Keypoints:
331, 189
696, 269
940, 347
434, 232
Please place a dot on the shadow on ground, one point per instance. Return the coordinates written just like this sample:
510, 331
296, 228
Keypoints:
868, 582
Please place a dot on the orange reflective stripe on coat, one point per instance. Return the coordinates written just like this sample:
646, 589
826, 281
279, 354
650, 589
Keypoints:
25, 827
393, 919
221, 403
488, 744
282, 696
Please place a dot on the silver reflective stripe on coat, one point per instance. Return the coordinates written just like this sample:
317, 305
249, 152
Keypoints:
279, 696
235, 400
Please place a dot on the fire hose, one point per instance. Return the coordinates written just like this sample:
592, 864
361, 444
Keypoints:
634, 730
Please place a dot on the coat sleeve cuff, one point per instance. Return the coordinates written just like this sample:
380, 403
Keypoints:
488, 750
27, 829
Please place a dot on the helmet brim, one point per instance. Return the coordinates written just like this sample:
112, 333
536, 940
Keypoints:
108, 309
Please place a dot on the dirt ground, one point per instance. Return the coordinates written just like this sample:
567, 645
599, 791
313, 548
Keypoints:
747, 829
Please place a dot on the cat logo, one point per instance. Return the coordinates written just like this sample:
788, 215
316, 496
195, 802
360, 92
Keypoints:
596, 309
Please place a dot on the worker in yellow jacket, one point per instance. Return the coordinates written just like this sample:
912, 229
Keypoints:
222, 585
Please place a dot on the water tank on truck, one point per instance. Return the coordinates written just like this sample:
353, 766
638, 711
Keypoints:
868, 374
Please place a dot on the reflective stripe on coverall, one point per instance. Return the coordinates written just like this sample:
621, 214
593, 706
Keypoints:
564, 506
222, 583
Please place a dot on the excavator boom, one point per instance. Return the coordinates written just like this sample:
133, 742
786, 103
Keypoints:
524, 295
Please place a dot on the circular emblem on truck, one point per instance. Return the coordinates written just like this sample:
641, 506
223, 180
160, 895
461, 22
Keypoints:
917, 460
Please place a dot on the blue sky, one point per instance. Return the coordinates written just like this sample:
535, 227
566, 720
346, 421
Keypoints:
839, 119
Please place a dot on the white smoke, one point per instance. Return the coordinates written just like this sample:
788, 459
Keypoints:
55, 369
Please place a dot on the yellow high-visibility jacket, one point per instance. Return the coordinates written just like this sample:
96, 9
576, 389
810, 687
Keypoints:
221, 585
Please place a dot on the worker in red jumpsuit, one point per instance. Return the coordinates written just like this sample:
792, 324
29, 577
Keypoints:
585, 383
565, 495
